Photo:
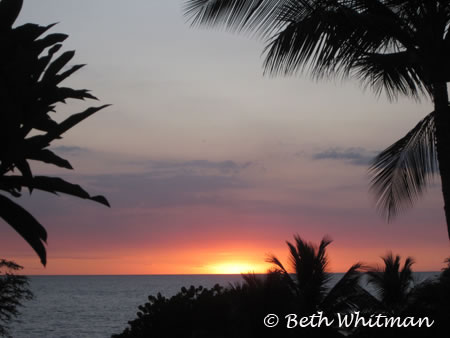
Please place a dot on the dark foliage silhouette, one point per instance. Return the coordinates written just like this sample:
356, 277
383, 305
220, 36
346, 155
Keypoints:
431, 298
309, 278
238, 310
30, 90
193, 312
14, 290
398, 294
401, 47
392, 283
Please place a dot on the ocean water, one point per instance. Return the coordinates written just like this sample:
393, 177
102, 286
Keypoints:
98, 306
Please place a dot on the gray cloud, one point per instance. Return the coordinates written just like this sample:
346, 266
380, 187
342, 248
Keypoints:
73, 150
194, 167
154, 190
355, 156
162, 184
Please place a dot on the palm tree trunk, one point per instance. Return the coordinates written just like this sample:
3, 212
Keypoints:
442, 111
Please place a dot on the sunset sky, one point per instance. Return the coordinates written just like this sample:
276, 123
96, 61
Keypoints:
208, 164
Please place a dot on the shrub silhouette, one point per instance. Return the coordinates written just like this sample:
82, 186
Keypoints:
193, 312
13, 290
30, 89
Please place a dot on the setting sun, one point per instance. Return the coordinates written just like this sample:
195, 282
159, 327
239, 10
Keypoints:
226, 268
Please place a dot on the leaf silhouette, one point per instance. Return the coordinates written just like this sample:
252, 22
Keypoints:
50, 184
30, 31
401, 172
61, 77
57, 65
9, 11
26, 225
47, 156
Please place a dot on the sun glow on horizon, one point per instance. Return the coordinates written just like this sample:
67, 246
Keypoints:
236, 267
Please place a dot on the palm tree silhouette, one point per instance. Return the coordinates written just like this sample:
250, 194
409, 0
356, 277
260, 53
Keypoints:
397, 46
309, 280
392, 283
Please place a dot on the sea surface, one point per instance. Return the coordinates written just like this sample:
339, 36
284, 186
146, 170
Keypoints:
99, 306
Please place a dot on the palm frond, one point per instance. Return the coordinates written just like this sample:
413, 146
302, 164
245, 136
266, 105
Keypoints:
395, 73
256, 16
401, 172
406, 276
279, 266
280, 269
252, 281
329, 37
321, 252
366, 38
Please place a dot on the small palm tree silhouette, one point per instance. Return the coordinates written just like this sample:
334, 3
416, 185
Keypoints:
392, 282
309, 279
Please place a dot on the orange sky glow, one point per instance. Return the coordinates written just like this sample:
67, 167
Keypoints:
220, 260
